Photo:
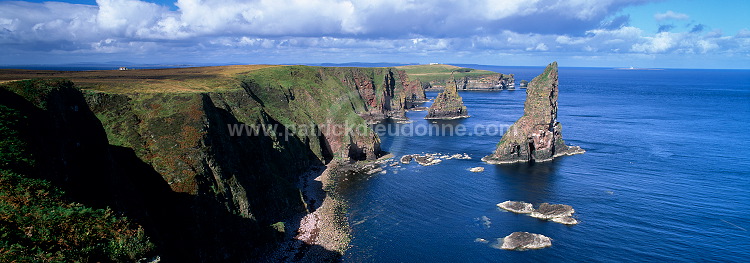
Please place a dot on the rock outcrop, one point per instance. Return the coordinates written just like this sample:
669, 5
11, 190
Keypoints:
550, 211
448, 105
476, 169
524, 241
387, 92
518, 207
536, 136
565, 220
413, 91
553, 212
556, 213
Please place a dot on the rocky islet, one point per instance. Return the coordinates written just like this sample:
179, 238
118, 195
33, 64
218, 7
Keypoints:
536, 136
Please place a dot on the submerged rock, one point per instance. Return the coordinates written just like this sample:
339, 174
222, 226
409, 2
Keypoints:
477, 169
524, 241
551, 211
485, 221
517, 207
536, 136
481, 240
448, 104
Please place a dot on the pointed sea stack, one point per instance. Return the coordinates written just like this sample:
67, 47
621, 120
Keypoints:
448, 105
536, 136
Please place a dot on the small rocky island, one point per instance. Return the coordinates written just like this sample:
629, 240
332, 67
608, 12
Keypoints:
518, 207
524, 241
536, 136
557, 213
448, 104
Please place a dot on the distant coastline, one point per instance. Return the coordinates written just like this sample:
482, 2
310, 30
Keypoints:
632, 68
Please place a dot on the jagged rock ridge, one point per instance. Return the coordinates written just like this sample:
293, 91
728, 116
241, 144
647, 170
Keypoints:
387, 93
448, 104
536, 136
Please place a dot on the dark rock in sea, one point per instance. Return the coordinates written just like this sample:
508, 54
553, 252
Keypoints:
423, 159
536, 136
426, 160
448, 104
524, 241
476, 169
517, 207
551, 211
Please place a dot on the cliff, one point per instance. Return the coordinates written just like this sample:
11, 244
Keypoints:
536, 136
487, 83
55, 167
436, 76
216, 164
448, 105
413, 91
387, 93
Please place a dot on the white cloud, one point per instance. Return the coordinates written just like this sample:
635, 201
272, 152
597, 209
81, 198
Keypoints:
570, 40
661, 42
670, 15
499, 9
410, 27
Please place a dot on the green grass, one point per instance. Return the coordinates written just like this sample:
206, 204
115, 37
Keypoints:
38, 225
439, 73
37, 222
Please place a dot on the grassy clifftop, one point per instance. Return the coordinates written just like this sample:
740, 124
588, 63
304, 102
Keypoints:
171, 80
439, 73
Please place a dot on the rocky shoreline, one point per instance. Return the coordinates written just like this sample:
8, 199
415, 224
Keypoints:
323, 233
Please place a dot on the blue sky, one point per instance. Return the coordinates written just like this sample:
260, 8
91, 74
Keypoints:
599, 33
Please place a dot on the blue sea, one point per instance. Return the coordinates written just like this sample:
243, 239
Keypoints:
666, 176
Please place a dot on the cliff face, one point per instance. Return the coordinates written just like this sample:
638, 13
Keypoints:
387, 93
50, 142
536, 136
489, 83
492, 82
216, 176
448, 105
413, 91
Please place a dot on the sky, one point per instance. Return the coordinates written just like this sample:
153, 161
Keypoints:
576, 33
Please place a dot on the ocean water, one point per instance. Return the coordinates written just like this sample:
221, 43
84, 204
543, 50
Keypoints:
666, 176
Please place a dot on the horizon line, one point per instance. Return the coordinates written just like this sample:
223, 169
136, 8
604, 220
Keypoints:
395, 64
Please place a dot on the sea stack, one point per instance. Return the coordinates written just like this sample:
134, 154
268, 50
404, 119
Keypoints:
448, 105
536, 136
